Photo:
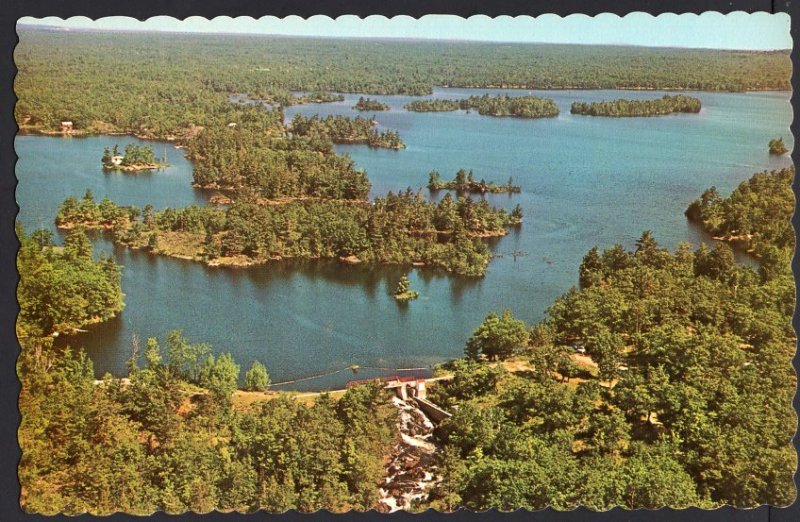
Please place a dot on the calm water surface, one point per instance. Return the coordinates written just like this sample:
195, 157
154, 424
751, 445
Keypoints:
585, 181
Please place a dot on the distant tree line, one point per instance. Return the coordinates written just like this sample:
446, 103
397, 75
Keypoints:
154, 100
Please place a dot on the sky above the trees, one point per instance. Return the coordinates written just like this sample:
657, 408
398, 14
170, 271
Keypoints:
737, 30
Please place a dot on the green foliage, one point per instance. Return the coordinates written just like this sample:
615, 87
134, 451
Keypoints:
182, 95
498, 337
465, 183
697, 410
151, 444
341, 129
63, 289
398, 228
501, 105
756, 215
403, 291
433, 106
256, 378
777, 147
219, 376
625, 108
367, 104
272, 166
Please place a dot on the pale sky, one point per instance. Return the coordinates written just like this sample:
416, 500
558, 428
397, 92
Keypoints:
737, 30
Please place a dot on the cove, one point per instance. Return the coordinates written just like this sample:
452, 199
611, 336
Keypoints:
585, 181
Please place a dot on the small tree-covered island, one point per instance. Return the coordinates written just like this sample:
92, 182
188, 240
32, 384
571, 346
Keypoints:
501, 105
403, 293
777, 147
465, 182
134, 158
639, 108
368, 104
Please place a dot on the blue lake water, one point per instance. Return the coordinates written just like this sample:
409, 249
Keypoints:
585, 181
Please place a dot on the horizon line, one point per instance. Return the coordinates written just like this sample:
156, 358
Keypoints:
67, 29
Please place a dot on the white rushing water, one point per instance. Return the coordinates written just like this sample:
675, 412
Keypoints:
411, 472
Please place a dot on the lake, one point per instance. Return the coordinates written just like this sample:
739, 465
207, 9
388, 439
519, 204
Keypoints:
585, 181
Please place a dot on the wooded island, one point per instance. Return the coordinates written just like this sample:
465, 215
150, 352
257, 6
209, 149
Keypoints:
777, 147
498, 106
638, 108
135, 158
397, 229
465, 182
367, 104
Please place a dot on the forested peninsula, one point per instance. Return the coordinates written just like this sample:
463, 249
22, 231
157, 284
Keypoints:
341, 129
63, 288
752, 216
465, 182
639, 108
501, 105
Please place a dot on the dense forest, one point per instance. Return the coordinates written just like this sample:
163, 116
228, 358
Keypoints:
626, 108
341, 129
182, 96
63, 288
688, 397
465, 182
368, 104
398, 229
272, 165
697, 351
170, 438
501, 105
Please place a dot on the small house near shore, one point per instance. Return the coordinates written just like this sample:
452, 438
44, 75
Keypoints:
66, 126
117, 160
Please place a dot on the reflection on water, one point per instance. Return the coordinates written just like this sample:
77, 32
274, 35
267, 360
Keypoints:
585, 182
